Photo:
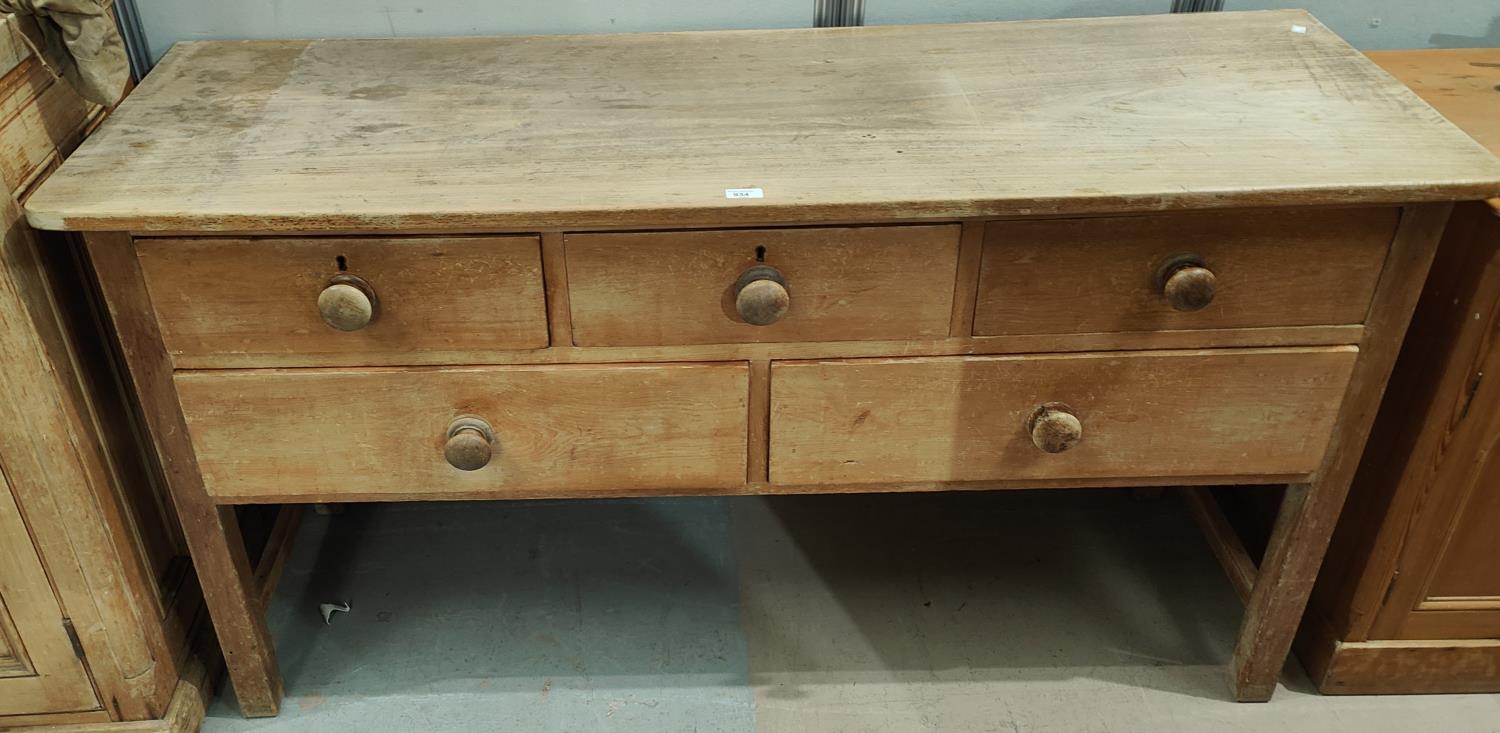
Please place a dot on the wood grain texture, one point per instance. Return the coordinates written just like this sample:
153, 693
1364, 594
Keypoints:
555, 279
1414, 529
212, 532
1021, 344
1461, 83
845, 284
1275, 267
1460, 603
259, 298
759, 430
324, 433
1443, 425
1444, 621
58, 462
279, 543
67, 444
966, 284
284, 495
39, 673
1404, 667
943, 121
1306, 519
46, 721
964, 418
54, 122
184, 714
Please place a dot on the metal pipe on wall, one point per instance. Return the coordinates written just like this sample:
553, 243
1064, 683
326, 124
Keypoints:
837, 13
134, 35
1197, 6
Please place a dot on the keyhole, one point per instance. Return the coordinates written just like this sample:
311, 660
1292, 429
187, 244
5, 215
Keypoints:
342, 262
760, 254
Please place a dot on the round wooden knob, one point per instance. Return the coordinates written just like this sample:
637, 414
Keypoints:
470, 444
1054, 428
347, 303
760, 296
1189, 287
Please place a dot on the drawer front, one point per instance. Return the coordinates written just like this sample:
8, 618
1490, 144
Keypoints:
265, 298
841, 284
1268, 268
557, 430
1141, 415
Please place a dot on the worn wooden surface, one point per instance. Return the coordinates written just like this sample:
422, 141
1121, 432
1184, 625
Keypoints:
1273, 267
558, 429
39, 672
93, 514
1161, 414
1413, 554
212, 532
568, 136
675, 288
1414, 666
1020, 344
184, 714
1446, 518
58, 454
257, 299
1461, 83
1306, 519
857, 124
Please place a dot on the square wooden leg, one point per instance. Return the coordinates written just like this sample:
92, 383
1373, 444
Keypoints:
212, 531
1277, 599
1309, 513
234, 604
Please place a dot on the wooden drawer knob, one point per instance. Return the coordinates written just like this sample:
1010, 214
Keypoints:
1186, 283
470, 444
1054, 428
760, 295
347, 303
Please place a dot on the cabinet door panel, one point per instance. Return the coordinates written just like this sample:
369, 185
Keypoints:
39, 673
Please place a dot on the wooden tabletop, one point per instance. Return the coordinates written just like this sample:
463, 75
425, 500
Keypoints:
1462, 83
986, 119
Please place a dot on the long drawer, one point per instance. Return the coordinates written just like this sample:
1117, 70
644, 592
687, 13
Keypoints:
313, 301
1160, 414
813, 284
1274, 267
268, 435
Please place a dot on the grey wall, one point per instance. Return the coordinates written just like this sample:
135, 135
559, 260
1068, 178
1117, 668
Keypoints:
1366, 23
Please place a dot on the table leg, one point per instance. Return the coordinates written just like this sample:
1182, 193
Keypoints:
1281, 588
1308, 514
212, 531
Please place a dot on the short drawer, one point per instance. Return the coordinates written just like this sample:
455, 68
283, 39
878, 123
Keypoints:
1181, 271
319, 435
238, 302
1138, 415
838, 284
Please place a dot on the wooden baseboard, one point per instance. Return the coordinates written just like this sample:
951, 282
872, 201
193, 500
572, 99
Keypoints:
1409, 667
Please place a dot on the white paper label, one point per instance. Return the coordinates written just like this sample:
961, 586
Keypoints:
744, 193
1299, 29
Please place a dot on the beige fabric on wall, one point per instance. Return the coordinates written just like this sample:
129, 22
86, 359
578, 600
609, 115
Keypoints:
81, 43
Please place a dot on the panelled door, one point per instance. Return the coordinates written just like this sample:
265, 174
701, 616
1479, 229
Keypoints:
39, 671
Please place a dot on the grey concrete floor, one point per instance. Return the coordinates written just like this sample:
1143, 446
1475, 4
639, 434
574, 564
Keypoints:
1020, 612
